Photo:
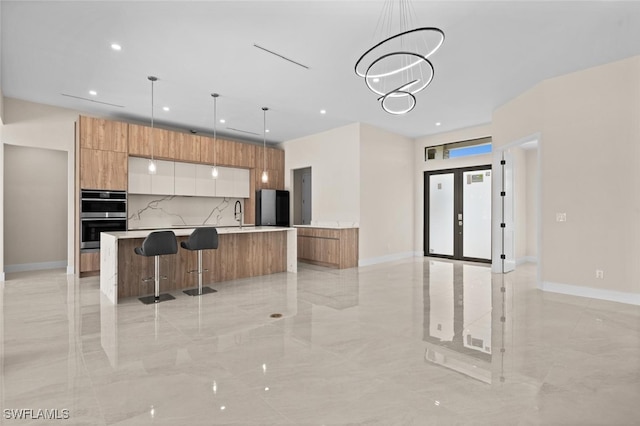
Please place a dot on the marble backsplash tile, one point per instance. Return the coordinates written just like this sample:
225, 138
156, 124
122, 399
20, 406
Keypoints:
158, 211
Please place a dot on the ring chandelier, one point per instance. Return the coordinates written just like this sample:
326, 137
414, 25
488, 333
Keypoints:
397, 68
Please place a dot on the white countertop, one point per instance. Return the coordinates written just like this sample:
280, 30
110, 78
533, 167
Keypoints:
183, 232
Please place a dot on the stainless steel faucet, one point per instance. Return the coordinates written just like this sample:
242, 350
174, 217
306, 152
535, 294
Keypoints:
237, 213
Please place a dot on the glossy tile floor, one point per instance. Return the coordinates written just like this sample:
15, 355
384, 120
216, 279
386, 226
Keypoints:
415, 342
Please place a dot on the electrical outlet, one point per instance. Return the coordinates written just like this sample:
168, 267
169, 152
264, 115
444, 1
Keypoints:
599, 273
561, 217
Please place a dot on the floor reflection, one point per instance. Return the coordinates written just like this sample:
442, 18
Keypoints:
417, 341
458, 317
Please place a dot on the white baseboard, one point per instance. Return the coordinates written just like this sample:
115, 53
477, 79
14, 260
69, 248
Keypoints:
23, 267
389, 258
1, 276
526, 259
70, 270
592, 293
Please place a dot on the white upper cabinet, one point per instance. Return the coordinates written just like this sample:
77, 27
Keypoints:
139, 177
163, 182
205, 183
224, 182
185, 179
189, 179
141, 182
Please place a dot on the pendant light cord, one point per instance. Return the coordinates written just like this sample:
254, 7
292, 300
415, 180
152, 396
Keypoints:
264, 139
152, 79
215, 123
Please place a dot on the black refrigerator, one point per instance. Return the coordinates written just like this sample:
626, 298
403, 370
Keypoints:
272, 207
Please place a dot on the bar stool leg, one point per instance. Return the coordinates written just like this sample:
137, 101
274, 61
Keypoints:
199, 272
156, 293
200, 290
157, 297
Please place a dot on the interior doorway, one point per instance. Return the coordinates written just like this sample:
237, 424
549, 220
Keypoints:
517, 195
302, 196
35, 208
458, 220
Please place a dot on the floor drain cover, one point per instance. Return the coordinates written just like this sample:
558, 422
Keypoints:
276, 315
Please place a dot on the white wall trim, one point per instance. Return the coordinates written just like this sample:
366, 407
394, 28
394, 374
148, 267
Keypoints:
389, 258
23, 267
526, 259
70, 270
1, 276
592, 293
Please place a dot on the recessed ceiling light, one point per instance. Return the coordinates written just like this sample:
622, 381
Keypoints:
323, 111
116, 46
93, 92
222, 120
267, 130
165, 108
438, 123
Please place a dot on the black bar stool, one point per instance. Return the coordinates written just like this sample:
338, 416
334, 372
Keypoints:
158, 243
201, 239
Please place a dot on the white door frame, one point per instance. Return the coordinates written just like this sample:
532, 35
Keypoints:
496, 219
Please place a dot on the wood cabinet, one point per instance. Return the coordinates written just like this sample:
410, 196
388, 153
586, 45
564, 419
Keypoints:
274, 162
103, 169
166, 144
334, 248
276, 179
100, 134
227, 153
90, 262
238, 256
184, 147
140, 142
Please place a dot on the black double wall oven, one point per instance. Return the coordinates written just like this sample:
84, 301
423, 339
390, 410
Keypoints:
101, 211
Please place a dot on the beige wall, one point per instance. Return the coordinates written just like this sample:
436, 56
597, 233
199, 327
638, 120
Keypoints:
35, 193
386, 195
1, 193
334, 158
531, 247
589, 163
361, 176
41, 126
520, 203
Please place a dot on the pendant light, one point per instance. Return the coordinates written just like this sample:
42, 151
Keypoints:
214, 169
398, 67
152, 163
265, 176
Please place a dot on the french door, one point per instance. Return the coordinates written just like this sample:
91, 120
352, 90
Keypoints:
457, 220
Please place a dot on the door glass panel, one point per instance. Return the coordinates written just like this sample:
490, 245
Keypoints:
441, 214
476, 215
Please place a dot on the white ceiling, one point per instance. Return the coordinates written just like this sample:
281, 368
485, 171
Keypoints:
493, 51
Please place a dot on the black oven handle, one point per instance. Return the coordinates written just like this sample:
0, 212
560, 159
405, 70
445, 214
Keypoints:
111, 219
112, 200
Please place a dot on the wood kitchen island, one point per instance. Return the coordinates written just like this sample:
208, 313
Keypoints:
242, 252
